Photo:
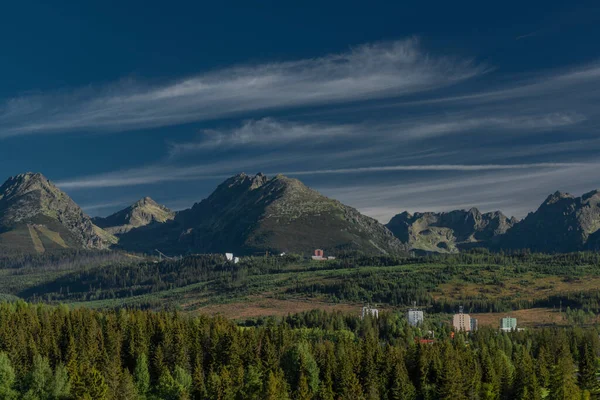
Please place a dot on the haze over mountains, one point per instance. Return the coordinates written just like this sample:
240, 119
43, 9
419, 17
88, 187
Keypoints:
250, 214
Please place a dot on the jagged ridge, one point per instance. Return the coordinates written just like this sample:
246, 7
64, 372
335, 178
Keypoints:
449, 231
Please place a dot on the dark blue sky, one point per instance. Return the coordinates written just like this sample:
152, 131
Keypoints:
384, 105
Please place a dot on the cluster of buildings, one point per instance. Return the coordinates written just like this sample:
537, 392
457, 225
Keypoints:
319, 255
460, 321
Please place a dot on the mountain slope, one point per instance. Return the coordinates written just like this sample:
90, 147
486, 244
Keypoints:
563, 223
144, 212
449, 231
36, 216
251, 214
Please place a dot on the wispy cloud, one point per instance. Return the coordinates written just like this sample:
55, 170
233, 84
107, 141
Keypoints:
272, 132
265, 131
366, 72
433, 167
160, 174
513, 193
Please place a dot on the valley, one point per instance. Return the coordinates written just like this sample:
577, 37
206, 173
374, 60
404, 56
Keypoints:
257, 287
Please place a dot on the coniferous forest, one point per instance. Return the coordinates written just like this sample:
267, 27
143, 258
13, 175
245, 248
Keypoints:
59, 353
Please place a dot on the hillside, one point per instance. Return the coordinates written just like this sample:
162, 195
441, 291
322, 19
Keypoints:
254, 214
563, 223
449, 231
36, 216
143, 212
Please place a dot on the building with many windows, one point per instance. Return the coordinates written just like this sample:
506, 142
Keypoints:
415, 317
508, 324
461, 322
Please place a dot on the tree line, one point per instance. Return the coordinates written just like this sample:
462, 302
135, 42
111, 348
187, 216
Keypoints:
58, 353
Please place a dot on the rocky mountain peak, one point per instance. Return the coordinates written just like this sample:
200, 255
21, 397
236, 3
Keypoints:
556, 197
258, 180
145, 201
30, 199
249, 214
591, 195
24, 183
141, 213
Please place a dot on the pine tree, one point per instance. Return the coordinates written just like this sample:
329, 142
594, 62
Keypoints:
7, 378
563, 383
543, 367
96, 386
526, 384
198, 381
183, 381
127, 389
141, 375
253, 379
61, 386
449, 387
276, 387
401, 386
587, 368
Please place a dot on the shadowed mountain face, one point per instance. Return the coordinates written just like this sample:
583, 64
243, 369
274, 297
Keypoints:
449, 231
252, 214
562, 223
144, 212
36, 216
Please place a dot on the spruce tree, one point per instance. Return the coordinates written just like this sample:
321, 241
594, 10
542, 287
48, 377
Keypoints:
141, 375
587, 368
563, 383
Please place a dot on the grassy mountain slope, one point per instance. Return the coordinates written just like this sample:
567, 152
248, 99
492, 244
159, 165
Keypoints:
35, 216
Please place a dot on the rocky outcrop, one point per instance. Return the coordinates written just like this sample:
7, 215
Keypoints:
563, 223
449, 231
142, 213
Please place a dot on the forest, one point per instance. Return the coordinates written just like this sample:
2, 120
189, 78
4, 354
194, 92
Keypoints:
49, 352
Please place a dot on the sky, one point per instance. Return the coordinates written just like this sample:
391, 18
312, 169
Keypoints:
385, 106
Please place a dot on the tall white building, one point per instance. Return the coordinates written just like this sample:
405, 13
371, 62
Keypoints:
415, 317
462, 322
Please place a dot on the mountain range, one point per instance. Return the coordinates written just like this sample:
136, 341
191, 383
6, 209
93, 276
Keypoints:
254, 214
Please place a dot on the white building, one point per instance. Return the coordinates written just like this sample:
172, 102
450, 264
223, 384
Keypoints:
415, 317
230, 257
373, 312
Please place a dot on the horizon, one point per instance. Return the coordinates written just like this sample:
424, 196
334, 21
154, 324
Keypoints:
415, 111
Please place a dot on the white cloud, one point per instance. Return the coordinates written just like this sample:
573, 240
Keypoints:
265, 131
269, 132
366, 72
513, 193
434, 167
